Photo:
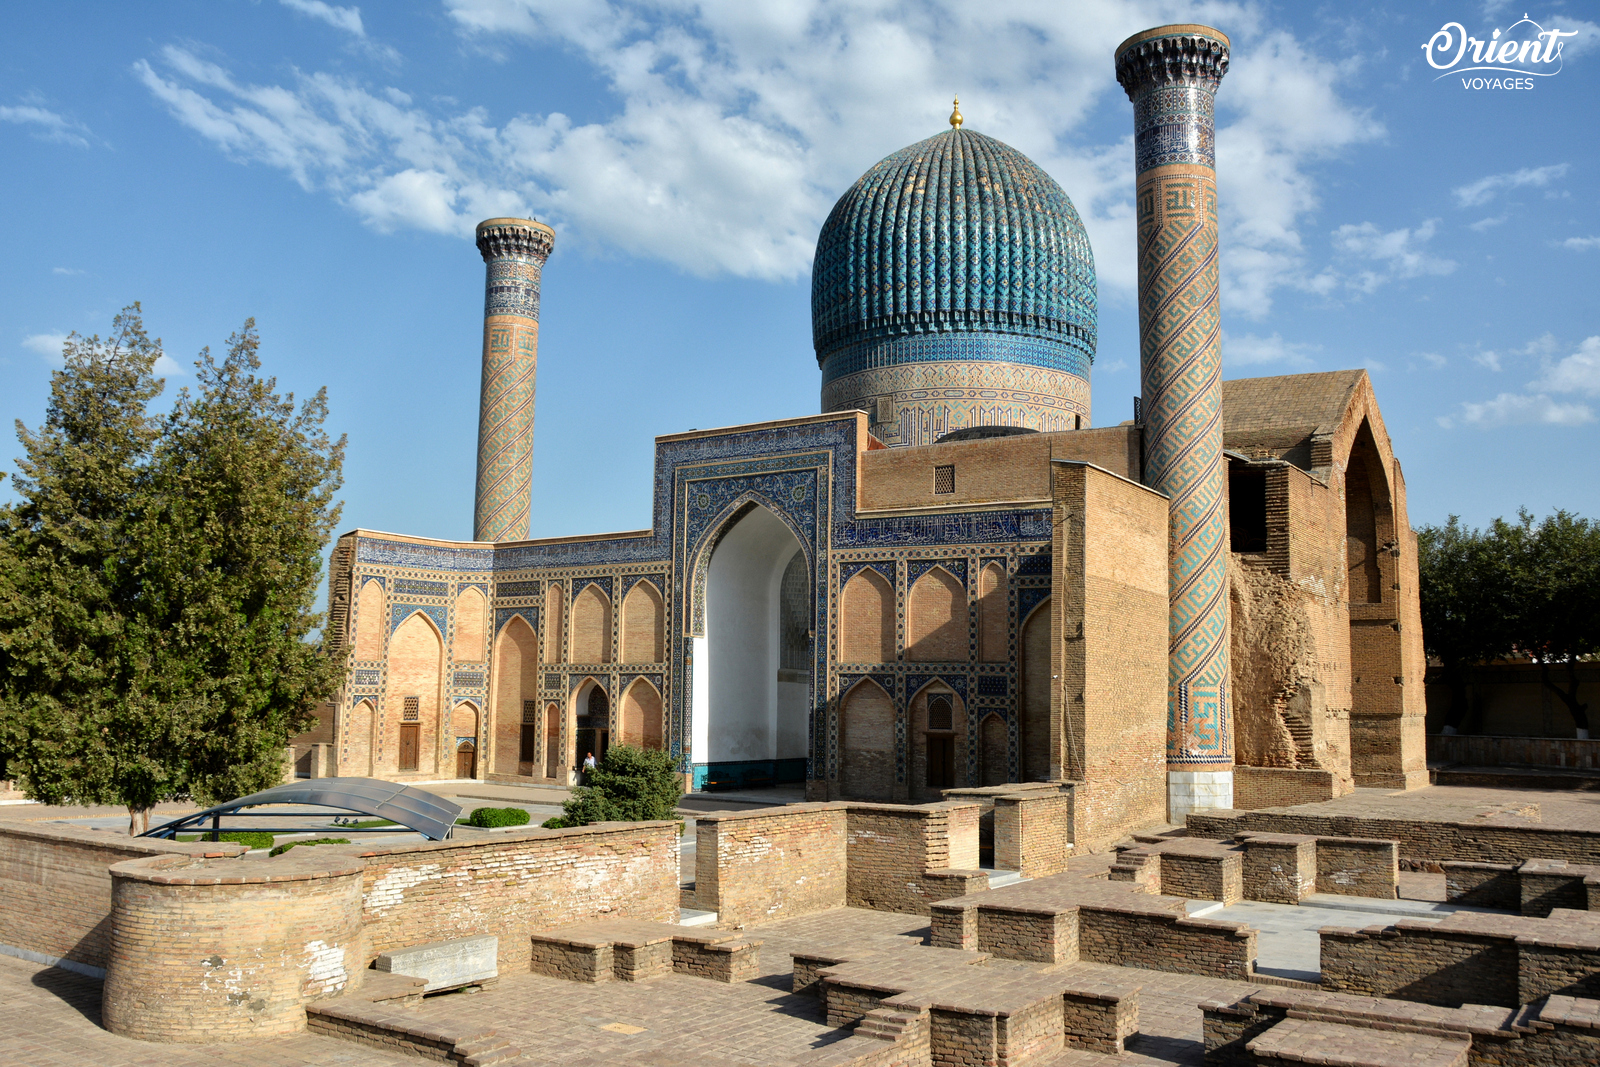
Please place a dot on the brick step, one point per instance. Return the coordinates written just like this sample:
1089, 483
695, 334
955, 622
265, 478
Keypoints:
491, 1050
888, 1025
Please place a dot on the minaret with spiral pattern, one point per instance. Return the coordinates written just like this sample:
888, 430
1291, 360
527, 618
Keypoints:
1171, 74
514, 251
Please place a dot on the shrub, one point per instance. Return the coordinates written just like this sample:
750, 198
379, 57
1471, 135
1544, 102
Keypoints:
489, 818
285, 847
250, 838
556, 823
629, 785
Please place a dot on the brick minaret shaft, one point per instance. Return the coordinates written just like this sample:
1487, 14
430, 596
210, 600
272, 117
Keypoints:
1171, 74
514, 251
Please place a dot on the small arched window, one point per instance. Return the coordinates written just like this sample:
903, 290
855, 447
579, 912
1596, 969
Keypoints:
941, 715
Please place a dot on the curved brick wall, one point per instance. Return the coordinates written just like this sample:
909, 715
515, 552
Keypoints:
220, 950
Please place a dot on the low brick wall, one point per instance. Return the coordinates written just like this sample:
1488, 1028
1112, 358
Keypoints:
226, 950
781, 862
1418, 961
1482, 885
1468, 959
1165, 941
1545, 885
1358, 867
1420, 840
55, 886
510, 884
1033, 832
1279, 868
770, 863
889, 848
1280, 787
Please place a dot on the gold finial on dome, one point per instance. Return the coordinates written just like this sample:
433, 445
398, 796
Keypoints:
955, 115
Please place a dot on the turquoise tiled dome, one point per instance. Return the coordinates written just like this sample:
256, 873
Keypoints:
958, 235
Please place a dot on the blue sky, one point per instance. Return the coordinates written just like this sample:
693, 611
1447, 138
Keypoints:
320, 167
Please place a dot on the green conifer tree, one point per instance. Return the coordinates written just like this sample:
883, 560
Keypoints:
157, 579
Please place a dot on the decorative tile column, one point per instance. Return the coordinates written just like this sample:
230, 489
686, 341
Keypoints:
514, 251
1171, 74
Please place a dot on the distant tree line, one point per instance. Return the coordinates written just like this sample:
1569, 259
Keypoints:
1520, 589
157, 578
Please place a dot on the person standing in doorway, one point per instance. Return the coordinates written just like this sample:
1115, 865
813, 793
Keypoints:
588, 765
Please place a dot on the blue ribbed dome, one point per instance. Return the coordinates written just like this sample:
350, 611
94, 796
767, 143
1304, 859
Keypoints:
953, 235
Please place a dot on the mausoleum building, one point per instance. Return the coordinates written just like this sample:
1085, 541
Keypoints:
947, 578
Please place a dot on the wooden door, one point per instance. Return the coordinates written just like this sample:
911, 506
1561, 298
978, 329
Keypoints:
941, 761
409, 744
466, 762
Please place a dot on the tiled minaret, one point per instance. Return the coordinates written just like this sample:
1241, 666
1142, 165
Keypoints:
514, 251
1171, 74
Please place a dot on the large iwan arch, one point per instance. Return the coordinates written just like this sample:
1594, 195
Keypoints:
746, 727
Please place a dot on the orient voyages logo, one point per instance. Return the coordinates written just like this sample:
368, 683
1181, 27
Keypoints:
1525, 50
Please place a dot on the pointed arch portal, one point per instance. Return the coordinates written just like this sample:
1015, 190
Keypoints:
751, 713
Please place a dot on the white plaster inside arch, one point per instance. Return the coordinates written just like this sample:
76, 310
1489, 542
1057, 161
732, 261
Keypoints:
738, 711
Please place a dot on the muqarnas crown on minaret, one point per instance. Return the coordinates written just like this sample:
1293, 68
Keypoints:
514, 252
1171, 75
954, 287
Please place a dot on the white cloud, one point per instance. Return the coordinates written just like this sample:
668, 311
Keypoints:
1486, 189
47, 345
1249, 349
1581, 244
1514, 409
1397, 254
1577, 373
1434, 360
347, 19
166, 366
46, 124
1488, 358
1488, 223
737, 125
69, 272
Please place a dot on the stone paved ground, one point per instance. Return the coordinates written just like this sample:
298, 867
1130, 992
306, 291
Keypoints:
1573, 809
761, 1021
51, 1018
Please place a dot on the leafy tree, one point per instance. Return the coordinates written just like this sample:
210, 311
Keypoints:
629, 785
1466, 587
159, 576
1559, 620
1515, 588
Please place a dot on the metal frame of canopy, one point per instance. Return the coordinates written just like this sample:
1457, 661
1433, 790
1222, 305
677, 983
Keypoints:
409, 807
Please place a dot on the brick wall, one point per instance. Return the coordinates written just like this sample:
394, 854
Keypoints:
1165, 941
591, 626
1281, 787
1279, 868
1417, 961
1482, 885
1358, 867
55, 886
225, 950
1109, 614
643, 625
889, 847
1033, 832
1420, 840
759, 866
510, 884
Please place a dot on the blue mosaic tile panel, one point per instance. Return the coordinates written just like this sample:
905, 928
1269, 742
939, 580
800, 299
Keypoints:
511, 589
417, 587
984, 527
993, 685
467, 679
398, 613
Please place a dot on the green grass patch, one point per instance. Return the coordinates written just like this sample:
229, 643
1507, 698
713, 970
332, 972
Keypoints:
251, 838
489, 818
286, 846
365, 824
